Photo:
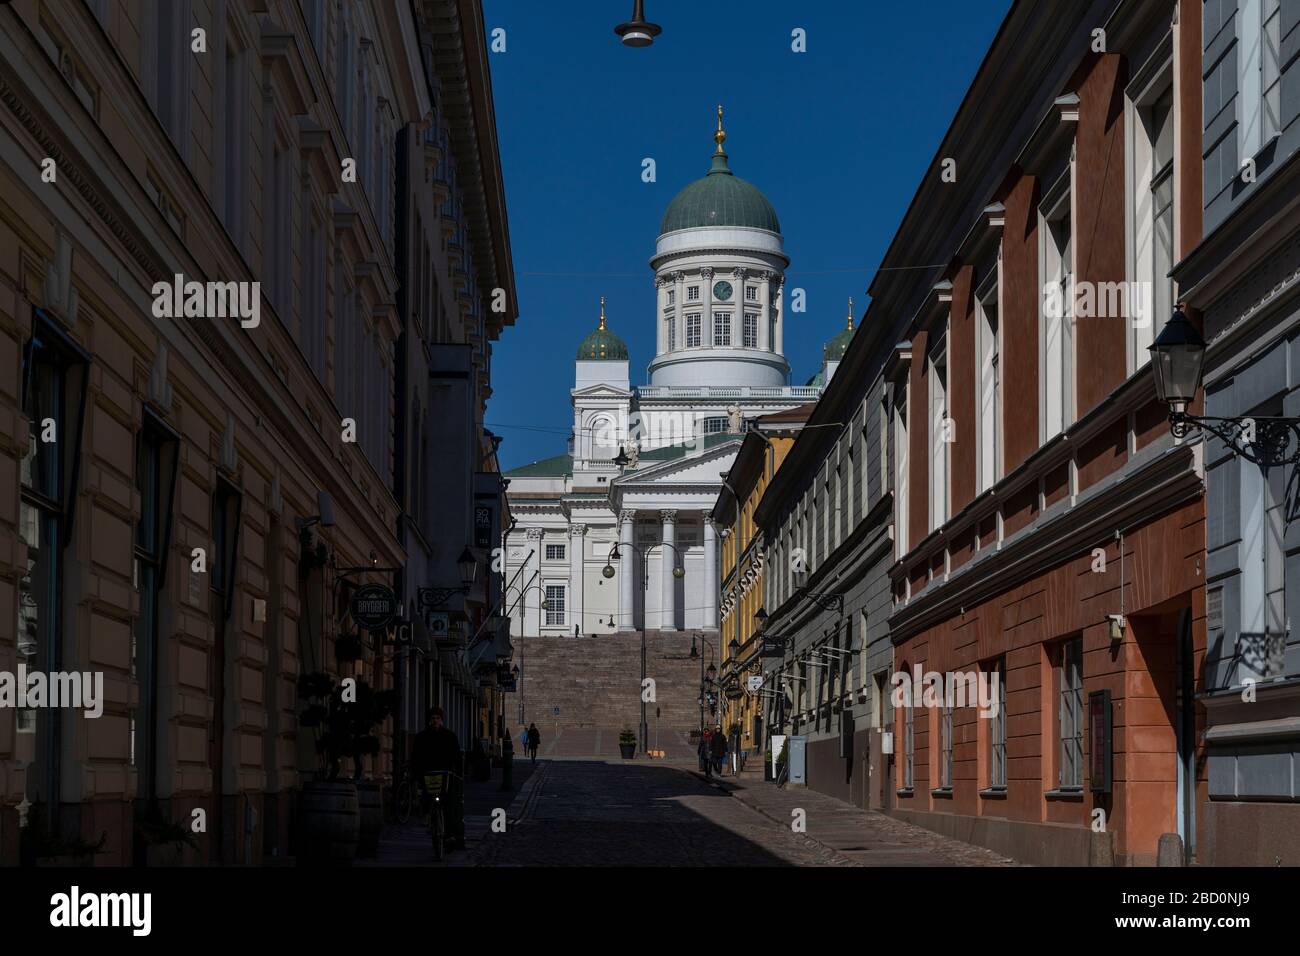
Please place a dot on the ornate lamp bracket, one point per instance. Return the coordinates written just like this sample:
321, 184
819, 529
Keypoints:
1265, 441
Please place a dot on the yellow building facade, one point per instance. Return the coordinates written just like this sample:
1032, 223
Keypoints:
741, 598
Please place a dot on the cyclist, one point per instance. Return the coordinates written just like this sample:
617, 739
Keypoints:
437, 749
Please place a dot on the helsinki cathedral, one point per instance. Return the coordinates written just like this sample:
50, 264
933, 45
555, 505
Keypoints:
614, 534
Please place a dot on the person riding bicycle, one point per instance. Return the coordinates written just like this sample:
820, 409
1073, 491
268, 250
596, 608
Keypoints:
437, 749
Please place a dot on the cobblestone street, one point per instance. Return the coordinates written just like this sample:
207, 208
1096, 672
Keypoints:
593, 812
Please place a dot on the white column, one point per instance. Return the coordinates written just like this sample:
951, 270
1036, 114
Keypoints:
738, 307
626, 571
764, 313
532, 581
679, 304
668, 592
577, 559
711, 583
706, 333
780, 317
661, 300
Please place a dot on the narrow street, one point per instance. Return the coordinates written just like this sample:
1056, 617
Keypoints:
633, 813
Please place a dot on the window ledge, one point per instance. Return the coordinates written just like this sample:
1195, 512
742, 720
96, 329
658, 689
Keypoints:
904, 792
1060, 794
994, 793
941, 792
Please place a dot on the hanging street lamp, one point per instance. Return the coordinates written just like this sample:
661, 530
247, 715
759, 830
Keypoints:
1178, 363
638, 32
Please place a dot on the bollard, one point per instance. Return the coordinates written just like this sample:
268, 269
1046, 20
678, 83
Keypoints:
507, 769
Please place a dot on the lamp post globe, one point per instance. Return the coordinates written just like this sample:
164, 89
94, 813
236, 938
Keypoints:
1177, 361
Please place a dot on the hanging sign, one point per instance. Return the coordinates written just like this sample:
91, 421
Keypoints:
374, 606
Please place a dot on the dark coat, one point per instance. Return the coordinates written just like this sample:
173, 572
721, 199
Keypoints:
435, 750
718, 745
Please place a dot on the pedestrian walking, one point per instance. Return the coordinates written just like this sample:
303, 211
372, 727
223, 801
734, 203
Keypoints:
718, 750
706, 755
534, 741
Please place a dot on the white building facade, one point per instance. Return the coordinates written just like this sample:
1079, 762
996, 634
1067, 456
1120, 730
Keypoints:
613, 535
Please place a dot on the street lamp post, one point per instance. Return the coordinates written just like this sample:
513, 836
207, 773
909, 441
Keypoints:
712, 672
608, 571
1178, 362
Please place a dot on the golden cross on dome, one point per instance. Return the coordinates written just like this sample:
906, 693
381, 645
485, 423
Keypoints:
720, 136
601, 327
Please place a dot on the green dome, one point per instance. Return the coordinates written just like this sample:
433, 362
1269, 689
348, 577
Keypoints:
834, 349
602, 345
720, 199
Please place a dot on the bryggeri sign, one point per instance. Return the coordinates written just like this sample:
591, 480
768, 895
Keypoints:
374, 606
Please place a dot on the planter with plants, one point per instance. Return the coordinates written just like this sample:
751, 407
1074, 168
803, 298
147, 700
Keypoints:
163, 841
627, 743
40, 846
345, 718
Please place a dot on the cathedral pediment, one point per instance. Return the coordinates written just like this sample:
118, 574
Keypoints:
601, 391
688, 468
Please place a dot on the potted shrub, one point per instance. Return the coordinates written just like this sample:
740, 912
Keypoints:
345, 723
41, 847
627, 743
164, 840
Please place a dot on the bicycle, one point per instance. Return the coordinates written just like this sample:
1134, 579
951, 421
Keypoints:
438, 786
405, 796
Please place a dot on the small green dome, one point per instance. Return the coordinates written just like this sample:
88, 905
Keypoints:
602, 345
834, 349
720, 199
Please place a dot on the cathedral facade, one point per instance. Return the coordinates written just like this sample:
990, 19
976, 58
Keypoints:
614, 535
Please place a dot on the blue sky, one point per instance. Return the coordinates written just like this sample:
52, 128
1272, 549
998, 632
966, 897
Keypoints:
836, 137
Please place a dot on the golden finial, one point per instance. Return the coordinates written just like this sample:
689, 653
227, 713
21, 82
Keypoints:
601, 327
720, 136
850, 325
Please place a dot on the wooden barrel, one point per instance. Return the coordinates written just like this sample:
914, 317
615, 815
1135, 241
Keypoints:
330, 822
370, 802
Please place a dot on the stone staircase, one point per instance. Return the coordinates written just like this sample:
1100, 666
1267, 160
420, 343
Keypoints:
595, 683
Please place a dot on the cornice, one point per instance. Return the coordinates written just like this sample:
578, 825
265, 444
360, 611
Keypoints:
1155, 486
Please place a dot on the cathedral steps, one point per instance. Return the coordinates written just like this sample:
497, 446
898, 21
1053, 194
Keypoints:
595, 682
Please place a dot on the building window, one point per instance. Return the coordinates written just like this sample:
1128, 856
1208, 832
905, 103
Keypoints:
230, 155
671, 333
750, 331
227, 504
672, 296
1151, 205
692, 293
901, 448
945, 747
989, 385
940, 433
998, 731
1069, 680
751, 293
54, 375
312, 310
692, 330
555, 605
167, 66
155, 479
1259, 74
277, 211
1263, 566
909, 745
715, 425
1056, 351
722, 328
345, 73
555, 552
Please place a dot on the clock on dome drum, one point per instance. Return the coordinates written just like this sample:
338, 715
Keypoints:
722, 291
